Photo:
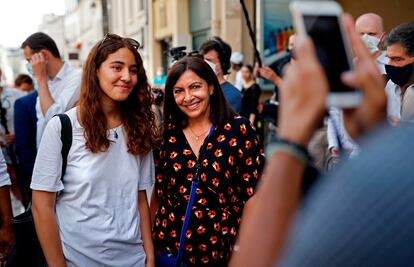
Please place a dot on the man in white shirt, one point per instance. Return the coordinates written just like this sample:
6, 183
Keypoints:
400, 71
58, 83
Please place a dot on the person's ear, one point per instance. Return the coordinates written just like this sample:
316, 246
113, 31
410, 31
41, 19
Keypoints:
211, 89
45, 54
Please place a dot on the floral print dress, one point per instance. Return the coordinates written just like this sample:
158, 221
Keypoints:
231, 167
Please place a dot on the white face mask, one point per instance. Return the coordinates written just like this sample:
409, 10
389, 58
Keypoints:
371, 42
212, 65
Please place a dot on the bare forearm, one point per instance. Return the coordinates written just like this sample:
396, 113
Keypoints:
252, 117
154, 204
145, 225
5, 206
47, 231
6, 229
274, 205
45, 98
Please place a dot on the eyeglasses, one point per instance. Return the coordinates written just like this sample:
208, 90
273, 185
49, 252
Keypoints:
113, 36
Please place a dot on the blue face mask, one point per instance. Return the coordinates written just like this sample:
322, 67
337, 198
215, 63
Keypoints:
30, 71
29, 68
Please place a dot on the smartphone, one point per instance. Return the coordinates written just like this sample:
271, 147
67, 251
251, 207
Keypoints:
321, 21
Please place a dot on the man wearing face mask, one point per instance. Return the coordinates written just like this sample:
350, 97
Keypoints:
57, 82
217, 53
400, 87
370, 27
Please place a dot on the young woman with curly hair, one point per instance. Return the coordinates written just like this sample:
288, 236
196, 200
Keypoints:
101, 217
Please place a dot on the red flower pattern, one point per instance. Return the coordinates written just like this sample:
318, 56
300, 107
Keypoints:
229, 173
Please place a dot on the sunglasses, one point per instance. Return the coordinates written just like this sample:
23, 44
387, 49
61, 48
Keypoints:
113, 36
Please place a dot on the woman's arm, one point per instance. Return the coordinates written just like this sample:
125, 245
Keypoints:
6, 229
154, 203
268, 221
43, 209
145, 225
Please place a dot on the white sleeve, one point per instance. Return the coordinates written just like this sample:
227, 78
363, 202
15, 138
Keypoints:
48, 165
146, 171
393, 101
4, 176
68, 97
330, 132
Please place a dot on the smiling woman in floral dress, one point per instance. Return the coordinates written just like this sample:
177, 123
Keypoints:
230, 168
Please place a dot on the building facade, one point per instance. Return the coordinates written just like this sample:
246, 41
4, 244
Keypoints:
160, 25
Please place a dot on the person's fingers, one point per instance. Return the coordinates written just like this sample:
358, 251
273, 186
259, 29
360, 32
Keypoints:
305, 51
256, 70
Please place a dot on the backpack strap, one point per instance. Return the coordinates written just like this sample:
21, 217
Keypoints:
66, 138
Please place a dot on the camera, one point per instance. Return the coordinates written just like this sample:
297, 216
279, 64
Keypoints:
159, 95
177, 52
279, 65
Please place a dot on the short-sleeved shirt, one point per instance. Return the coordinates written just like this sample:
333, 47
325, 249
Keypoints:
97, 210
8, 97
64, 89
4, 176
230, 170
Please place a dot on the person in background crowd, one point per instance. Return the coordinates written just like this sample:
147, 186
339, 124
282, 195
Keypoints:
24, 82
101, 218
57, 82
160, 78
338, 137
370, 27
25, 130
400, 71
157, 106
250, 94
364, 207
197, 115
235, 77
8, 96
6, 228
218, 53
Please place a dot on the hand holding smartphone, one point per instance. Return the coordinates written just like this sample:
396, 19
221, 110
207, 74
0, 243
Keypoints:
321, 21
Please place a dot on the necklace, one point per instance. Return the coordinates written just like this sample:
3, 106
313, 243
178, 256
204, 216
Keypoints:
197, 137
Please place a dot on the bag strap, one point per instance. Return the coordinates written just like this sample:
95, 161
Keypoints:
66, 138
194, 183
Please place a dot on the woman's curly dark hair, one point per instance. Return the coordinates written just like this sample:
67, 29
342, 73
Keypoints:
137, 117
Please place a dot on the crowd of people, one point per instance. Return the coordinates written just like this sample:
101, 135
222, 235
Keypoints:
193, 139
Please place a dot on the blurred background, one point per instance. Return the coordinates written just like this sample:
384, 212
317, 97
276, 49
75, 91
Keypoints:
76, 25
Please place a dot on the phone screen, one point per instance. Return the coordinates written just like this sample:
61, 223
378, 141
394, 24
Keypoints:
326, 35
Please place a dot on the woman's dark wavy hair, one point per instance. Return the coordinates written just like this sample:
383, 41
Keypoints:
137, 117
220, 111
